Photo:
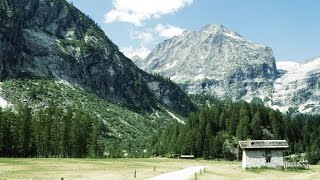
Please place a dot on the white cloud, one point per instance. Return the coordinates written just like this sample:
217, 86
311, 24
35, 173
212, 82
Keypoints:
137, 11
145, 37
130, 52
148, 38
168, 31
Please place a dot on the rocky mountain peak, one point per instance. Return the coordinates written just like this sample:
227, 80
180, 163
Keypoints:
211, 28
214, 59
221, 62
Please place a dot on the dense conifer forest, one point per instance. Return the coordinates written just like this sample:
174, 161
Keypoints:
213, 132
51, 132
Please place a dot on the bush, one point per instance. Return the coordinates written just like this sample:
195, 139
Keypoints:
313, 157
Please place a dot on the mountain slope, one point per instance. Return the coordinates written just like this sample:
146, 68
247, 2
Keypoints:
217, 61
297, 87
51, 54
122, 125
214, 60
52, 39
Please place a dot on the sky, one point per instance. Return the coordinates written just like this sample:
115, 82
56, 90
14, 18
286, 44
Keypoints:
290, 27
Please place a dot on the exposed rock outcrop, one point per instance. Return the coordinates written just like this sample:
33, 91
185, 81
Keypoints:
214, 60
52, 39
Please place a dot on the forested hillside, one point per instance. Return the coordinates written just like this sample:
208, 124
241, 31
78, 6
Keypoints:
56, 60
50, 116
214, 131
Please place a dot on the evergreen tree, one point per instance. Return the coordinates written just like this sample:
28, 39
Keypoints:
243, 131
67, 133
217, 146
82, 131
6, 134
26, 135
222, 121
256, 126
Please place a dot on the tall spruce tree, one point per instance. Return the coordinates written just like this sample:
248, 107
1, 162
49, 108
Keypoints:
256, 126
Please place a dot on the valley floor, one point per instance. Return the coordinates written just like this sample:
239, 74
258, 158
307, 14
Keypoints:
114, 169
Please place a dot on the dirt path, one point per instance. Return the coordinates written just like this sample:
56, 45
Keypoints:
183, 174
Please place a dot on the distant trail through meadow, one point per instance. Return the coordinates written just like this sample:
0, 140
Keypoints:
183, 174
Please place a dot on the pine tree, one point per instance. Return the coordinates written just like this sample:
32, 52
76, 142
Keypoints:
82, 131
243, 131
187, 147
57, 132
217, 146
256, 126
275, 124
2, 131
222, 121
67, 133
27, 131
6, 138
206, 147
234, 119
94, 143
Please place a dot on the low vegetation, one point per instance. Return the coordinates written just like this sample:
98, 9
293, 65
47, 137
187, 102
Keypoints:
124, 169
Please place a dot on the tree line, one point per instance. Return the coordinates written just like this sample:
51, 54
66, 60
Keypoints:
50, 132
211, 133
214, 131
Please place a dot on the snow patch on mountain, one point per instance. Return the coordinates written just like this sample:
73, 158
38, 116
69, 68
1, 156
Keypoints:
233, 36
287, 65
3, 102
136, 53
297, 87
175, 117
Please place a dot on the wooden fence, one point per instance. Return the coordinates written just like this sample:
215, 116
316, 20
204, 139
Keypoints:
301, 164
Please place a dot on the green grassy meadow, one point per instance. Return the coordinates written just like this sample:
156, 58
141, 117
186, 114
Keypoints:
11, 168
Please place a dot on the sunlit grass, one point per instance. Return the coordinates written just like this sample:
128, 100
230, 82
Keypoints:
114, 169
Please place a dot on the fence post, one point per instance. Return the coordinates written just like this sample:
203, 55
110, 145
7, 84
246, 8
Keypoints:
154, 168
195, 175
285, 165
135, 173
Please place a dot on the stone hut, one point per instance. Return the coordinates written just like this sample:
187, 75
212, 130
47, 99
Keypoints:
262, 153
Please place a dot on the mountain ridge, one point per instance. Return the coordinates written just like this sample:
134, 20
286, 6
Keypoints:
221, 62
205, 60
53, 55
53, 39
297, 87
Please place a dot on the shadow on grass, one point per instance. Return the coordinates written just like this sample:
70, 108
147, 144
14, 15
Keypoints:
268, 169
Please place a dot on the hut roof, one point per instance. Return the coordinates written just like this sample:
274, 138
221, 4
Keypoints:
263, 144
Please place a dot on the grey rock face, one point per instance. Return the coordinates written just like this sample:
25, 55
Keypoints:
52, 39
297, 87
214, 60
221, 62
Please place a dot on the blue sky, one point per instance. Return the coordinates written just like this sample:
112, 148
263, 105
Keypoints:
290, 27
